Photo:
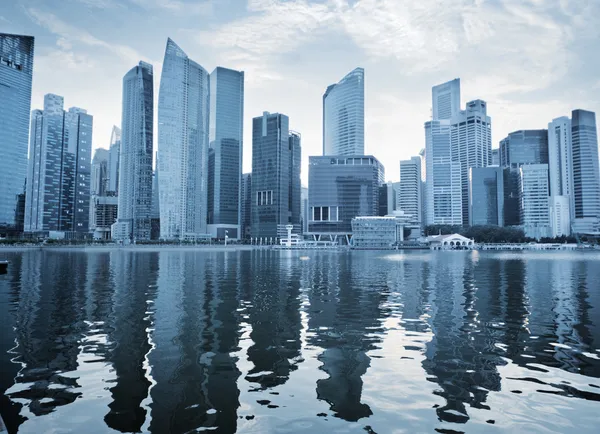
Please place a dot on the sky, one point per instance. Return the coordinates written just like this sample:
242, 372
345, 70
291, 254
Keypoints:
531, 60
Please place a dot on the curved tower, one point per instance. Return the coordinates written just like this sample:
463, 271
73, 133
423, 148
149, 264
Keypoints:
183, 113
344, 115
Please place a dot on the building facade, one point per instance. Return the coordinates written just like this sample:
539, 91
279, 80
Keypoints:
445, 100
58, 196
560, 216
344, 115
586, 173
114, 151
16, 72
486, 196
443, 177
295, 184
410, 190
519, 148
534, 189
471, 144
225, 153
183, 126
246, 206
339, 189
98, 189
270, 176
135, 160
304, 209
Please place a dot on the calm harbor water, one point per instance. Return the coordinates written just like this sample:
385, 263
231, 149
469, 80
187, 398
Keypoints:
283, 341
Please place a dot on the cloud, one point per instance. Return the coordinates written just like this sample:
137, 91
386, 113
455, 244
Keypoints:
99, 4
4, 20
203, 8
69, 34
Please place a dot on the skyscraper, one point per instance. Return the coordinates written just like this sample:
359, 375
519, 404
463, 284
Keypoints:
339, 189
410, 188
295, 185
103, 208
135, 159
443, 176
99, 172
445, 100
183, 115
486, 196
517, 149
471, 144
271, 176
225, 154
246, 205
113, 161
586, 173
16, 70
58, 196
534, 198
344, 115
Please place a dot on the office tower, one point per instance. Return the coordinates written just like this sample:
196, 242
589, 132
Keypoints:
410, 188
113, 161
135, 158
344, 115
183, 114
387, 199
496, 157
304, 208
560, 216
486, 196
534, 191
339, 189
517, 149
99, 172
443, 182
225, 153
16, 70
586, 173
271, 176
155, 212
295, 185
58, 196
471, 144
445, 100
246, 206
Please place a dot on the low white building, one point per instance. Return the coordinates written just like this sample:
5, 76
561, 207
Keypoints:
450, 242
383, 232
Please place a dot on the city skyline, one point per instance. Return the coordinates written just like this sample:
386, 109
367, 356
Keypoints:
79, 33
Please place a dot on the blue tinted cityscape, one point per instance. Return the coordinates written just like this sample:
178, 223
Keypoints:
302, 216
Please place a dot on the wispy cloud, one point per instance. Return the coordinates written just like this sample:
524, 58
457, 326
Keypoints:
99, 4
69, 35
4, 20
189, 8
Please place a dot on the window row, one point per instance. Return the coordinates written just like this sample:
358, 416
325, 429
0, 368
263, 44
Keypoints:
264, 197
325, 213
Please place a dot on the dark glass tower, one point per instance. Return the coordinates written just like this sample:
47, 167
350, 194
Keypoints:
16, 70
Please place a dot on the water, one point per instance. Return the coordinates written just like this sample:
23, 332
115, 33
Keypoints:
267, 341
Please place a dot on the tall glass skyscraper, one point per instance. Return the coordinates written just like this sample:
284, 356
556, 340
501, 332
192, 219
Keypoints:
486, 196
344, 115
58, 193
534, 193
270, 176
586, 173
225, 154
445, 100
16, 70
295, 185
135, 160
113, 161
409, 194
183, 126
443, 176
471, 144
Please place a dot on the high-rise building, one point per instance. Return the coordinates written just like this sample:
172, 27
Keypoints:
471, 144
183, 124
275, 177
586, 172
496, 157
443, 176
246, 205
225, 153
486, 196
155, 212
304, 208
16, 71
517, 149
295, 185
344, 115
103, 208
339, 189
445, 100
534, 196
387, 199
135, 160
99, 172
58, 195
560, 216
113, 161
560, 157
410, 190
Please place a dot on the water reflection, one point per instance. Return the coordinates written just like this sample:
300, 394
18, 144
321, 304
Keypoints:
189, 341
